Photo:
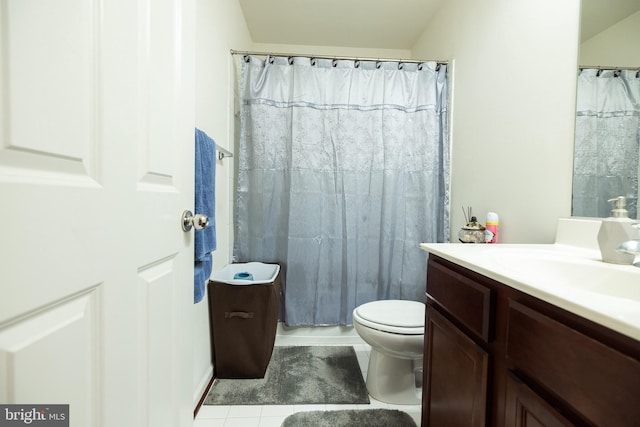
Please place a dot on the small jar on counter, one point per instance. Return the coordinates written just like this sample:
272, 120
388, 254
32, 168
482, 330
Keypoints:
473, 232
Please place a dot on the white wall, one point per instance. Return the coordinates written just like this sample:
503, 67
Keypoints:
615, 46
220, 27
333, 51
514, 79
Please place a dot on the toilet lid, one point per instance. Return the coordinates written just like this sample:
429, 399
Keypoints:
396, 313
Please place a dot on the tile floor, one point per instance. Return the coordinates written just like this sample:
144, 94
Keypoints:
274, 415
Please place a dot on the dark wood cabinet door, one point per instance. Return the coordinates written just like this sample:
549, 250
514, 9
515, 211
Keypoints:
455, 376
524, 408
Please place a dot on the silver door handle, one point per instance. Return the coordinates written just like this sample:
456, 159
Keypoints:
197, 221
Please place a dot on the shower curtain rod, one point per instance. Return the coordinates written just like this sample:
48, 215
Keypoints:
346, 58
603, 67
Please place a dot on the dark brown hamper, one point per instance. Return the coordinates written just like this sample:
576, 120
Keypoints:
244, 319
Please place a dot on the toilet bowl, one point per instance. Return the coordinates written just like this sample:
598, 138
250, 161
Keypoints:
395, 331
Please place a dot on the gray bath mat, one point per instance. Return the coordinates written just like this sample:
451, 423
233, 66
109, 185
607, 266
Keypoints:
350, 418
298, 375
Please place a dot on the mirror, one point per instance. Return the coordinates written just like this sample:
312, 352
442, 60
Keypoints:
606, 150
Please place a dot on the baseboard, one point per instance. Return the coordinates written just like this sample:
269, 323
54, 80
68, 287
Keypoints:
202, 389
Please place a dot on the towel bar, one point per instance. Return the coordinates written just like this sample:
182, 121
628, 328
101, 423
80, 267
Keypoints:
222, 153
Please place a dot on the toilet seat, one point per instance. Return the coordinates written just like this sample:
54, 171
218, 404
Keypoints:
393, 316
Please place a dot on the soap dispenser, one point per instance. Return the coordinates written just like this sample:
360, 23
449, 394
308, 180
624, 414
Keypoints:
615, 230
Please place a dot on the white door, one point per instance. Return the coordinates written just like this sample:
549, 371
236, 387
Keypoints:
96, 167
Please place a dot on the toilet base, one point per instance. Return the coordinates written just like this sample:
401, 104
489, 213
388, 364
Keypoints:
393, 380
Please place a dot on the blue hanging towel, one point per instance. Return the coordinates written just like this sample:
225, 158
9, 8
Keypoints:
205, 203
201, 272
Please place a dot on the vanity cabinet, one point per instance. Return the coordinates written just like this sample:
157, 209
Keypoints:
495, 356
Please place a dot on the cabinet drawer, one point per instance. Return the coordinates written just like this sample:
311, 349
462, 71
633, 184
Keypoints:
467, 300
598, 382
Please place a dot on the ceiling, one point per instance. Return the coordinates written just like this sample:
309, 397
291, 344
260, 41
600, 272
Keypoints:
598, 15
379, 24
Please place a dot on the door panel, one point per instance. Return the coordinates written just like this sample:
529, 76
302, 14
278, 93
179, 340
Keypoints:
158, 146
157, 316
64, 332
49, 120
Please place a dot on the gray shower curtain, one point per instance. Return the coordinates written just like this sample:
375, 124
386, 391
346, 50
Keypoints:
343, 171
607, 141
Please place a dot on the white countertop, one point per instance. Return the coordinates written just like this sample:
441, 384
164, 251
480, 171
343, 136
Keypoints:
570, 277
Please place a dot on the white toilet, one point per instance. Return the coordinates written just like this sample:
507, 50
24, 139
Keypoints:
395, 331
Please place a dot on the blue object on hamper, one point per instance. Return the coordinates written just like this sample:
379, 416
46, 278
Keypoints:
243, 276
205, 185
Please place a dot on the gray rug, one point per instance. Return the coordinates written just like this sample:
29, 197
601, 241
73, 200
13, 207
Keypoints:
298, 375
350, 418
